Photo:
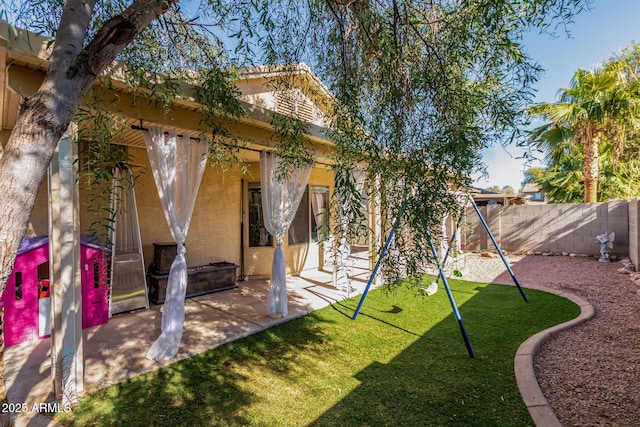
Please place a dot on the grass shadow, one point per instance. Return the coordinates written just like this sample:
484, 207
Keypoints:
207, 389
390, 367
433, 382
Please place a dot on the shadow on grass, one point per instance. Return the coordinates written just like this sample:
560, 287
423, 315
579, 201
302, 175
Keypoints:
347, 309
402, 362
207, 389
433, 382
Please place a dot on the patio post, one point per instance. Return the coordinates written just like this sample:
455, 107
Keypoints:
64, 269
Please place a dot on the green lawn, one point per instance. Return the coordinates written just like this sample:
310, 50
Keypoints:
402, 362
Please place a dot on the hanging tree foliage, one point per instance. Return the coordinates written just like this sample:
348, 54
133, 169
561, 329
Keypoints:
420, 88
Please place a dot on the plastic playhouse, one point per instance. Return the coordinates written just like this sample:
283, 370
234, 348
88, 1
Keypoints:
27, 301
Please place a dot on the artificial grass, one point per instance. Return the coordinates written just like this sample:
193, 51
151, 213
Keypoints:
402, 362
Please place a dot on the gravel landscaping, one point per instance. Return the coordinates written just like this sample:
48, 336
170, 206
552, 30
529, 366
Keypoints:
590, 374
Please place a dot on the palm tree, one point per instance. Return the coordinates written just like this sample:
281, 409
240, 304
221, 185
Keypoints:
563, 183
601, 105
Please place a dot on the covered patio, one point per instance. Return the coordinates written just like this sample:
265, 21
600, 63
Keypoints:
227, 221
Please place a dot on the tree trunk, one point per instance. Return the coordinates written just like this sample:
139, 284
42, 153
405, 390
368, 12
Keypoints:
591, 164
45, 116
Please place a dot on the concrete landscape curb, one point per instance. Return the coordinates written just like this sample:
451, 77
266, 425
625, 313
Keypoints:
539, 409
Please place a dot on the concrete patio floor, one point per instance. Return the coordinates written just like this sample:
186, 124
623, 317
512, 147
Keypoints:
115, 352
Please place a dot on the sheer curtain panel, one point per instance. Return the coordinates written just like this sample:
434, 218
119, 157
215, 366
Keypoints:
177, 163
280, 199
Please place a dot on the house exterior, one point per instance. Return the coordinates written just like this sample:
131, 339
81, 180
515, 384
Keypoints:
226, 225
226, 221
484, 197
534, 195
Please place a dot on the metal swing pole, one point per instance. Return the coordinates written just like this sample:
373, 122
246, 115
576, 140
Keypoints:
463, 331
382, 254
506, 263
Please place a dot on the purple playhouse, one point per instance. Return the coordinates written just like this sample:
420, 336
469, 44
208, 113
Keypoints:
26, 299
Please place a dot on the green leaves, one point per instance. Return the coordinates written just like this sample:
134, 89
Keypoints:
601, 108
416, 89
564, 182
422, 88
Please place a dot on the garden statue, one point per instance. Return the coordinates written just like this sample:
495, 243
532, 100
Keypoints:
606, 243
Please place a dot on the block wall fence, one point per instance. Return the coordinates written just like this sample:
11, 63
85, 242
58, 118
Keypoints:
634, 232
557, 228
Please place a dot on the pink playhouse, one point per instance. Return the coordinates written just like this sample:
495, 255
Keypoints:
26, 299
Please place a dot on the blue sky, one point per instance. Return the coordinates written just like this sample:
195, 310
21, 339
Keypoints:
595, 34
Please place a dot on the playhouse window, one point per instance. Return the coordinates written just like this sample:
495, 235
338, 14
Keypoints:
96, 275
43, 270
44, 283
18, 286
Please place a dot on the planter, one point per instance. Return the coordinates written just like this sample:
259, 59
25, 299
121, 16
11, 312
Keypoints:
203, 279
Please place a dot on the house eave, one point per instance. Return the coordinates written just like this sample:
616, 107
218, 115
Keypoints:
32, 51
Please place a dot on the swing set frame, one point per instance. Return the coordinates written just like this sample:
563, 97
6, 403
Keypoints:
441, 265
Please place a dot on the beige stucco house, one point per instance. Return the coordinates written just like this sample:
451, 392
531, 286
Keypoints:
534, 195
226, 221
226, 224
483, 197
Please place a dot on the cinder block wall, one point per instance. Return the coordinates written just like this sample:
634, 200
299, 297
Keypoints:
550, 228
634, 232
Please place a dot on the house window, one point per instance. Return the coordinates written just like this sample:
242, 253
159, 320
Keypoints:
311, 222
299, 228
319, 198
258, 234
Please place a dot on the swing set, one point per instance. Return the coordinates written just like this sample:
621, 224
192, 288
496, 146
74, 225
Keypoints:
441, 265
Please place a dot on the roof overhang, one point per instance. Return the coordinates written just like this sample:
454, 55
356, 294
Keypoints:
24, 60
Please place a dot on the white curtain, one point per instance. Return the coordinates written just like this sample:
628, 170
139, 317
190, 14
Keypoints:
280, 199
177, 163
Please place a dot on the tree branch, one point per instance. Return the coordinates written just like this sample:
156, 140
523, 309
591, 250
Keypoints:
115, 35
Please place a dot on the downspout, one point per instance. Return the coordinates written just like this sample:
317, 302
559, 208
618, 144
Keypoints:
242, 276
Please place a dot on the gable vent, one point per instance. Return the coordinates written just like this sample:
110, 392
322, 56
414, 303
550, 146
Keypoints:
296, 104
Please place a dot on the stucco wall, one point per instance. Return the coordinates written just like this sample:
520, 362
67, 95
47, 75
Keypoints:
550, 228
215, 229
214, 232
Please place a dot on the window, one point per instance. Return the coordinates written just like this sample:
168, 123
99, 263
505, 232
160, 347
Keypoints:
311, 222
96, 275
258, 235
319, 213
299, 228
18, 277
